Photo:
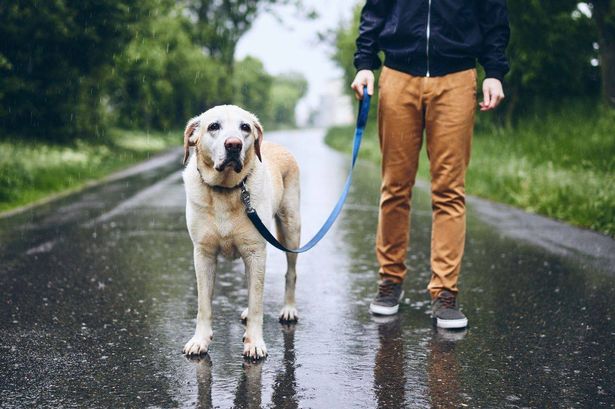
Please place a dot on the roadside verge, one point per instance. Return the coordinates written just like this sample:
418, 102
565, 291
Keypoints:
33, 173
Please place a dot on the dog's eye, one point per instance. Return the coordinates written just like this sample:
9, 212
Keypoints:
245, 127
214, 126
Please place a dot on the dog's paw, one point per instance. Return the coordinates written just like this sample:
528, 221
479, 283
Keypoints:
244, 315
254, 350
288, 314
197, 346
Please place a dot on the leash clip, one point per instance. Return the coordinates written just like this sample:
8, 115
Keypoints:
245, 197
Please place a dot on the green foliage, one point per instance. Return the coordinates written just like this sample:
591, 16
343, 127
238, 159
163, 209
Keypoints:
603, 13
272, 98
340, 138
53, 58
550, 50
70, 68
345, 37
162, 78
560, 163
252, 85
286, 91
32, 172
220, 24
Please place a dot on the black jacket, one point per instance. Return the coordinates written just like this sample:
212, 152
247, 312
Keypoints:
434, 37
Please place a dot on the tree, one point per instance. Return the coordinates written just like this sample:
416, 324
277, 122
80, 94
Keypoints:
344, 42
550, 53
344, 45
252, 88
163, 78
70, 67
604, 16
286, 92
53, 56
219, 24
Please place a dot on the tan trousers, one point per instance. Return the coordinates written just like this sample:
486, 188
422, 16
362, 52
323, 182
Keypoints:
444, 107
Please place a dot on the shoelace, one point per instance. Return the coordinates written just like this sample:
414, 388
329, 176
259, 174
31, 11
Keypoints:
447, 300
385, 288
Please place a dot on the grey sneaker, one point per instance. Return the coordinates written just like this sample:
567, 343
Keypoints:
445, 310
387, 300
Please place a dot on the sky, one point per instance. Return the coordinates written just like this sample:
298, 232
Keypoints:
292, 44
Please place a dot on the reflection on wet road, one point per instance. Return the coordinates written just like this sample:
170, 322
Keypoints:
98, 297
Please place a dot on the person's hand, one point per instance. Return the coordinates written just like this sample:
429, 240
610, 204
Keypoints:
493, 94
363, 78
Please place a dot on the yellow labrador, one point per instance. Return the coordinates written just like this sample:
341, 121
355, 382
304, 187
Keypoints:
229, 150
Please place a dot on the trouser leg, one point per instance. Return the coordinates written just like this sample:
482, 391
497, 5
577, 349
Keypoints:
400, 127
450, 105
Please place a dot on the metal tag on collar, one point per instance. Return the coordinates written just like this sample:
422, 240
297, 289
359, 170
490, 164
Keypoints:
245, 197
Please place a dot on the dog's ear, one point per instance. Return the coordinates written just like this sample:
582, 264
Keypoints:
188, 139
259, 139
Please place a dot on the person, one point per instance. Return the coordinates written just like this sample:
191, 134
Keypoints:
428, 83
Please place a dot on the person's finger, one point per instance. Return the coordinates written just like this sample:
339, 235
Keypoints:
486, 95
355, 86
495, 100
370, 86
487, 107
359, 91
492, 101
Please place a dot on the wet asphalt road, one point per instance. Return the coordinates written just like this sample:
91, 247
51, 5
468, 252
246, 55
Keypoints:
98, 298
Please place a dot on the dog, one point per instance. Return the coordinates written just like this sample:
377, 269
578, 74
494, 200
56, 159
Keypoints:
229, 152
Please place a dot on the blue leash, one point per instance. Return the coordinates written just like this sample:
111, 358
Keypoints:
262, 229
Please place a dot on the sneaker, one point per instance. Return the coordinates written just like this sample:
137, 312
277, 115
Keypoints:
445, 310
387, 300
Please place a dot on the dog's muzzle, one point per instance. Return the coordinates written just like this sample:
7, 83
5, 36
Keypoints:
228, 162
233, 155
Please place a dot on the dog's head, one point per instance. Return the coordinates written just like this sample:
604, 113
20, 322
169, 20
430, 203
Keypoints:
225, 134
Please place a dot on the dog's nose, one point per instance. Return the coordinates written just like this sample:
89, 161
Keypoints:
233, 145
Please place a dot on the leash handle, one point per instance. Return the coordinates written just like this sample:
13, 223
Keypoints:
260, 226
363, 109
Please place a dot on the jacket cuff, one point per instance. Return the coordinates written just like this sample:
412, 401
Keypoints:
495, 73
367, 64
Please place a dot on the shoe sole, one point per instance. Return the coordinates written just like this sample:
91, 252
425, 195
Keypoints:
452, 324
381, 310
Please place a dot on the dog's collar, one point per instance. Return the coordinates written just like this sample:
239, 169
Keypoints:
221, 188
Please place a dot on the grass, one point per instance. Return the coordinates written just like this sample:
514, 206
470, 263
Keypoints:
33, 170
561, 164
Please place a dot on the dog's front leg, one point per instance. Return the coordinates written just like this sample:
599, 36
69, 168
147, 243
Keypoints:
205, 267
253, 343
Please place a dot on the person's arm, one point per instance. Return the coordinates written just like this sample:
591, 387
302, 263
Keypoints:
373, 18
493, 17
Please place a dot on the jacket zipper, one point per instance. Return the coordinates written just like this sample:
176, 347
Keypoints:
428, 34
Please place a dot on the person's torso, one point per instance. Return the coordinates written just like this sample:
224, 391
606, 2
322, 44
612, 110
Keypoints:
431, 36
